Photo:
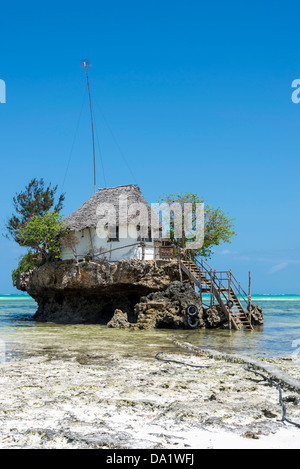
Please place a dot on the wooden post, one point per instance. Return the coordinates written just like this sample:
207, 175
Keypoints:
249, 297
229, 288
143, 251
249, 292
211, 282
91, 240
229, 283
200, 289
179, 266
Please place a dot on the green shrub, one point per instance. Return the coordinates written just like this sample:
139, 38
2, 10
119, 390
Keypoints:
44, 234
27, 263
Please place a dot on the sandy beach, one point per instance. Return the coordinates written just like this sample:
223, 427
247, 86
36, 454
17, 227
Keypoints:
130, 401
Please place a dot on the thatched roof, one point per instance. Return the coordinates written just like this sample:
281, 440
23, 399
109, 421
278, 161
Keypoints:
86, 215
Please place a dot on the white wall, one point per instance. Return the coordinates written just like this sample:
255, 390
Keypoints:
89, 242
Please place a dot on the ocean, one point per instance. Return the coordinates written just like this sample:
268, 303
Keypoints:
21, 336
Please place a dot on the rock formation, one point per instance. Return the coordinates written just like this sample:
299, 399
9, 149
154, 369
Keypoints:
257, 317
90, 292
214, 317
168, 308
119, 320
128, 293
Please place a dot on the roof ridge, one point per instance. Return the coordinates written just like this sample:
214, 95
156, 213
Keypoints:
116, 187
86, 215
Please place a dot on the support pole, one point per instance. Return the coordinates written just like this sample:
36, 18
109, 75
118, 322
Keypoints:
211, 286
179, 260
143, 251
94, 159
249, 297
229, 288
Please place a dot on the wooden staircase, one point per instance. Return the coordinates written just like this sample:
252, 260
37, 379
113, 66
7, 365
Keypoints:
223, 286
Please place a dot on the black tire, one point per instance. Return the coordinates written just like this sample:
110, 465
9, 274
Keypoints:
192, 321
230, 304
191, 310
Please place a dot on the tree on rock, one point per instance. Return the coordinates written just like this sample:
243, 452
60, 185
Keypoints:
218, 227
43, 233
36, 224
35, 200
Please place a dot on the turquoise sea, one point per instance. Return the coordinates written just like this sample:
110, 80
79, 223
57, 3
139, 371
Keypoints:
20, 335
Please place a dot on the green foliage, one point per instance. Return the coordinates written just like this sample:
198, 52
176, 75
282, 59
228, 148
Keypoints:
35, 200
36, 224
27, 263
44, 234
218, 228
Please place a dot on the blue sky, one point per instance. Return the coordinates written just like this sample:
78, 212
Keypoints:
188, 96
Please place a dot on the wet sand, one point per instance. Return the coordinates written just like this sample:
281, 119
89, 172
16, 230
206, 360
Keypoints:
56, 394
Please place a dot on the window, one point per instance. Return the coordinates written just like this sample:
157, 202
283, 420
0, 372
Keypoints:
113, 234
139, 238
148, 238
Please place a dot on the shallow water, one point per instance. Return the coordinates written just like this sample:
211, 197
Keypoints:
20, 335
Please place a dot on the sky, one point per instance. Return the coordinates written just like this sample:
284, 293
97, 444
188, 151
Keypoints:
188, 96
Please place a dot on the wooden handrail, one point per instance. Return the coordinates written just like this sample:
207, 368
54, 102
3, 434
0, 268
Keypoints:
141, 244
215, 282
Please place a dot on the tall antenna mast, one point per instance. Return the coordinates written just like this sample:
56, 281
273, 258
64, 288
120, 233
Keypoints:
86, 63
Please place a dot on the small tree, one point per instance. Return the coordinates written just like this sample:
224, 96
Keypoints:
70, 241
35, 200
44, 234
218, 228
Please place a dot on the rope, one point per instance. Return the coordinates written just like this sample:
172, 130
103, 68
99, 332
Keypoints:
178, 362
284, 419
121, 247
116, 142
75, 135
100, 154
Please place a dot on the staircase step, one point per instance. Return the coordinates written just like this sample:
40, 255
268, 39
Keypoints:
210, 284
